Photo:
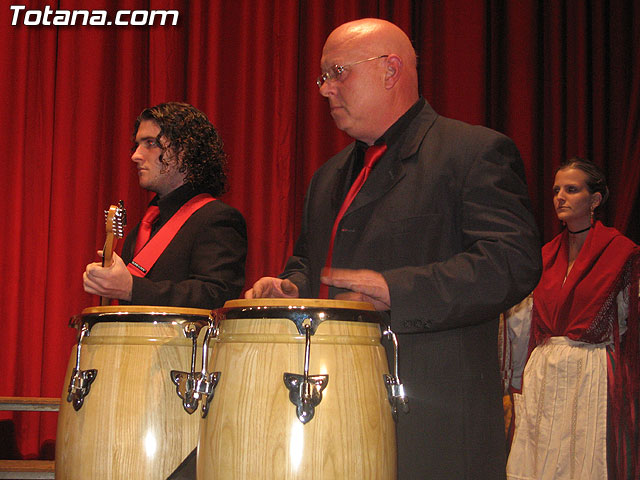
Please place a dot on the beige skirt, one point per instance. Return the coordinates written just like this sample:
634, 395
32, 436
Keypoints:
561, 415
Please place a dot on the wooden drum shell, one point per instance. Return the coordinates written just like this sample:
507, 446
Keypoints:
132, 423
252, 430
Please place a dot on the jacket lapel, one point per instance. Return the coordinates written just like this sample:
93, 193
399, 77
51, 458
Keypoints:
339, 187
391, 168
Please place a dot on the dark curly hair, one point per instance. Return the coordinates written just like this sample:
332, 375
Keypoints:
194, 141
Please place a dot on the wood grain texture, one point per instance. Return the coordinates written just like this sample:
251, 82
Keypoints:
30, 404
132, 423
252, 430
23, 469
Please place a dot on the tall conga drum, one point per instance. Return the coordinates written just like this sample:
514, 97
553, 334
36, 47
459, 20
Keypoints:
120, 415
300, 393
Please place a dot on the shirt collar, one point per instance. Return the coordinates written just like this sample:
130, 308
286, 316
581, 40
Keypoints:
171, 202
395, 131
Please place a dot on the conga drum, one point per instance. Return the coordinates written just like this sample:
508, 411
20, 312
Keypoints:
300, 393
120, 415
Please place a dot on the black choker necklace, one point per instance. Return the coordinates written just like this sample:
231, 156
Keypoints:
579, 231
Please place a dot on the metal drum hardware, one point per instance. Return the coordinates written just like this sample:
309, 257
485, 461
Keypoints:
395, 389
193, 386
275, 352
132, 414
305, 391
81, 380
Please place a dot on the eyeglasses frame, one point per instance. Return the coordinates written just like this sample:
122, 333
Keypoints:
341, 68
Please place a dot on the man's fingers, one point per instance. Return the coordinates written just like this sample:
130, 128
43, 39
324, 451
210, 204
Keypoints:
352, 296
369, 285
288, 287
350, 279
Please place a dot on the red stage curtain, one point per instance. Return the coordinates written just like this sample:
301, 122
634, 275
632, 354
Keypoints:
561, 78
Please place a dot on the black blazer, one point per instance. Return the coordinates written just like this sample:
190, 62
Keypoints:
203, 266
445, 217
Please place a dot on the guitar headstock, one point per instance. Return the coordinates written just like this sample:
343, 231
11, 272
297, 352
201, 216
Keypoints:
116, 219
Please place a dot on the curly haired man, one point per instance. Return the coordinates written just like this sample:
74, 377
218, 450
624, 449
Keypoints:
189, 250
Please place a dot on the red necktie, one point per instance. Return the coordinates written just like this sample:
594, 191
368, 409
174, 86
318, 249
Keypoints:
144, 230
371, 156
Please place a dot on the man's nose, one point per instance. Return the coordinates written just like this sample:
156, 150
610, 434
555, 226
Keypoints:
326, 88
136, 156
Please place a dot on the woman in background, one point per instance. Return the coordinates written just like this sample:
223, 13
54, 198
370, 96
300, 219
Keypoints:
576, 413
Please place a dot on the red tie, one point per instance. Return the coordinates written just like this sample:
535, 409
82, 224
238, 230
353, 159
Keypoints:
144, 231
371, 156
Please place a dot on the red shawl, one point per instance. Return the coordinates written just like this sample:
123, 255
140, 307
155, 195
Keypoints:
585, 309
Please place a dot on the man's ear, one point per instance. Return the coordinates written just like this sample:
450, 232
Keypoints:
393, 69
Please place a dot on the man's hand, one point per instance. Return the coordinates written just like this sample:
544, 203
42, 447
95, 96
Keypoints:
271, 287
365, 286
113, 281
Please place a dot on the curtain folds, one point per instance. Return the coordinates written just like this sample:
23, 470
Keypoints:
560, 78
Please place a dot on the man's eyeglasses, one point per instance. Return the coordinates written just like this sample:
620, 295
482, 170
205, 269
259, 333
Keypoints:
336, 71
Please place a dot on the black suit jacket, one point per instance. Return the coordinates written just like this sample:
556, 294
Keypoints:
445, 217
203, 266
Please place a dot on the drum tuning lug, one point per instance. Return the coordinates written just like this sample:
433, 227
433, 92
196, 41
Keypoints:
193, 386
395, 389
184, 383
207, 382
208, 386
191, 330
81, 380
396, 395
79, 386
305, 391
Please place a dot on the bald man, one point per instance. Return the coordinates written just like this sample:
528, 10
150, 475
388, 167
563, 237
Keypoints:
441, 235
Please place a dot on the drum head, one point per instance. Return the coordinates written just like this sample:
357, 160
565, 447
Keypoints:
299, 302
139, 314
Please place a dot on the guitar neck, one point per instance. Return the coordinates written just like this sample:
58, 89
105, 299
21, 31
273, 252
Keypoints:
109, 247
107, 259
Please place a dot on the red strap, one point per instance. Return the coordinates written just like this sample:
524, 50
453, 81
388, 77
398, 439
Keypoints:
147, 257
371, 156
